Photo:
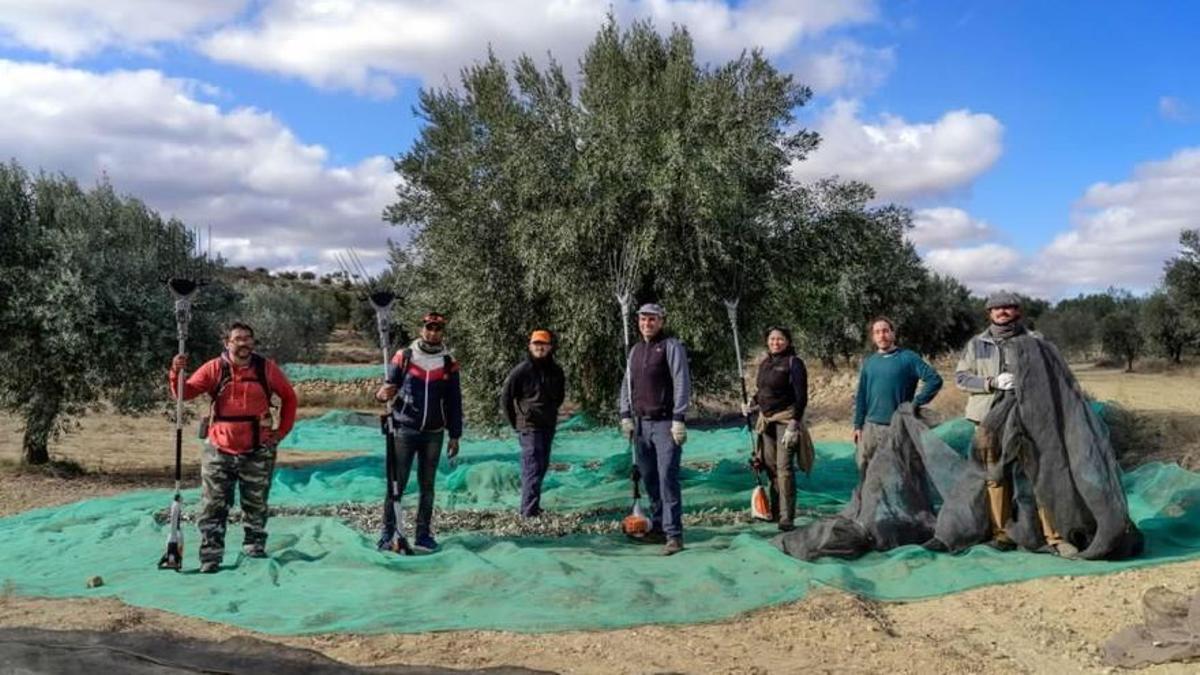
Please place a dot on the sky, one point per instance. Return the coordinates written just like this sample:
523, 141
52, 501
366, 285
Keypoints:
1049, 148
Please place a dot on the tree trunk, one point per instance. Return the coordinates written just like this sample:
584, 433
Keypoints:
829, 362
39, 425
1129, 365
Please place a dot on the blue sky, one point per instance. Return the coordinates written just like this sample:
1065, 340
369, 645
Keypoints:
1048, 147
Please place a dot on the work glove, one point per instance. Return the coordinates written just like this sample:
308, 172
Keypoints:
1004, 382
791, 434
748, 409
679, 433
627, 428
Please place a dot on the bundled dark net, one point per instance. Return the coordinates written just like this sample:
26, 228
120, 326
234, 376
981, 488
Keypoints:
1053, 448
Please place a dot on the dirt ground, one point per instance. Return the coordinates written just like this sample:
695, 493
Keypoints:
1047, 625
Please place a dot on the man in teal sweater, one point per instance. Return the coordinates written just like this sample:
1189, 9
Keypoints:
888, 378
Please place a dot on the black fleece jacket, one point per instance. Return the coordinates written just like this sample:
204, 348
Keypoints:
533, 393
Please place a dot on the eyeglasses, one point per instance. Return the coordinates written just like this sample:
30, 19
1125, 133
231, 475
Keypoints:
436, 327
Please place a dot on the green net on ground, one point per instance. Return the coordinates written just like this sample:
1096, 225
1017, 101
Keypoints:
323, 575
306, 372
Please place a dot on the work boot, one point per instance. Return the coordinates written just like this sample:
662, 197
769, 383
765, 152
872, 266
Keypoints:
674, 545
210, 567
1064, 549
254, 550
1002, 544
426, 542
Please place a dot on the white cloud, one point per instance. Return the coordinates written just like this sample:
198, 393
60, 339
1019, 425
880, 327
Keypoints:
70, 29
1120, 235
943, 226
1174, 109
366, 45
848, 67
903, 160
270, 198
1122, 232
982, 268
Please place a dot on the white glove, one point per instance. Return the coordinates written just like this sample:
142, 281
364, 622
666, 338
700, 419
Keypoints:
627, 428
789, 437
747, 409
679, 433
1004, 382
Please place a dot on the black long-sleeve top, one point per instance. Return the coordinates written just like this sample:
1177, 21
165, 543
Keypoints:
782, 383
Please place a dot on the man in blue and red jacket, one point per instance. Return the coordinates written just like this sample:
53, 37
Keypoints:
423, 380
239, 448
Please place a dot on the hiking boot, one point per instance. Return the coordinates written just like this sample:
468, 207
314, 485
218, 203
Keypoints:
426, 542
1002, 544
210, 567
674, 545
1064, 549
786, 526
255, 550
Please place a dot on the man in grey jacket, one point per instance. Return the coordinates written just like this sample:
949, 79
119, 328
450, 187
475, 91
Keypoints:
654, 400
986, 370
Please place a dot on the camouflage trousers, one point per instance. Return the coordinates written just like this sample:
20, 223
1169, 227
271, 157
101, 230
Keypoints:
222, 475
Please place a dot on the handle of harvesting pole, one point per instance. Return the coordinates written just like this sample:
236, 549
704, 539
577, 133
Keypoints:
635, 475
180, 383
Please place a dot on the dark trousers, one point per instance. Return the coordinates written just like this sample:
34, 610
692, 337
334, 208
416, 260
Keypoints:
425, 449
658, 461
535, 460
780, 461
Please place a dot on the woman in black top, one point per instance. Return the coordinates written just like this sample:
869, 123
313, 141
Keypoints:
780, 400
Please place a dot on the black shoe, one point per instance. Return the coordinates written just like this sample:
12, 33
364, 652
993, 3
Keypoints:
936, 545
1003, 545
786, 526
210, 567
255, 550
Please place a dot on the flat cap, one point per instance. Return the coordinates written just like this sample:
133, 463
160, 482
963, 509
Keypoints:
1003, 299
652, 308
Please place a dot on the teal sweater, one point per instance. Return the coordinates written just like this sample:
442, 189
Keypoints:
887, 380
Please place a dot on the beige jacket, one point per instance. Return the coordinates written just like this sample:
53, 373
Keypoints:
980, 362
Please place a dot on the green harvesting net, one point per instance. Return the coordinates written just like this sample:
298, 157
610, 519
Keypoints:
324, 574
306, 372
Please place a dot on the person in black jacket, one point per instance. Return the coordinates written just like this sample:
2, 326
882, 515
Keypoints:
780, 400
530, 399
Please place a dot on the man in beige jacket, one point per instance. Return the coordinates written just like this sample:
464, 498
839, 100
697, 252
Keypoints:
986, 370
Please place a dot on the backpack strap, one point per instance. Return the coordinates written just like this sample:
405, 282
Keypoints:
259, 363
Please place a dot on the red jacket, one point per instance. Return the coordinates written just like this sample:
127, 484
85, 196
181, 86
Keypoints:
243, 396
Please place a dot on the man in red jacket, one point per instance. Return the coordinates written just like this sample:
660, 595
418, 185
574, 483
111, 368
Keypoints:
239, 448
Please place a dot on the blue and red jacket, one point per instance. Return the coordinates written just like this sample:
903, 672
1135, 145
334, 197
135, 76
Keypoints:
428, 392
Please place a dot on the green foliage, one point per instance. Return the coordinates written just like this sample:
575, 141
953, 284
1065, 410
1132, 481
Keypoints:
1073, 329
1121, 336
86, 316
290, 326
1181, 280
523, 195
942, 317
1166, 325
